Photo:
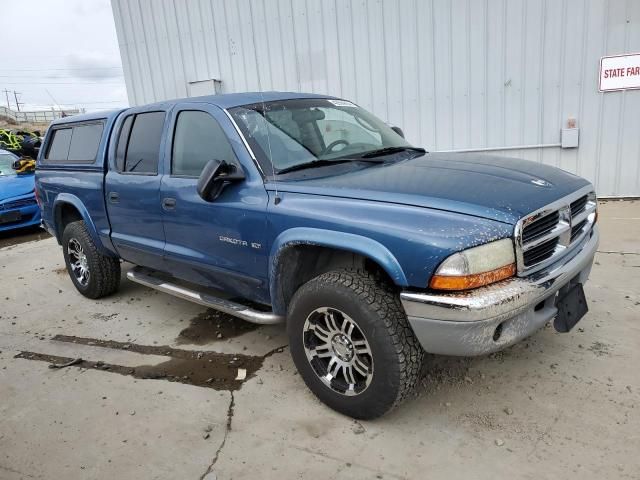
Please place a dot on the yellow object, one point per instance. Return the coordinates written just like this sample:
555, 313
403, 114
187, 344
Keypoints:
25, 165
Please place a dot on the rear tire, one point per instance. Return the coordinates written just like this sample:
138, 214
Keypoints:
94, 275
352, 344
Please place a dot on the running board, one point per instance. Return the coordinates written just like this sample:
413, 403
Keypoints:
237, 310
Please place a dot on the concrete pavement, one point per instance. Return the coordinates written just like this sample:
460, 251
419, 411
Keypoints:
138, 407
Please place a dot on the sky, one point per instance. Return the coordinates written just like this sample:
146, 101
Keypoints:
61, 53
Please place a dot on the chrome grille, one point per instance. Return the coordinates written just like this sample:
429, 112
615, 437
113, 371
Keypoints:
578, 206
546, 235
540, 227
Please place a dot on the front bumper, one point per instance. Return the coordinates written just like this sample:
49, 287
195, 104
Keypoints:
494, 317
29, 216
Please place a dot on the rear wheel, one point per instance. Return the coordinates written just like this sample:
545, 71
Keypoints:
352, 343
93, 274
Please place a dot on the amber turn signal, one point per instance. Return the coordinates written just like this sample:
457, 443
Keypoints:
466, 282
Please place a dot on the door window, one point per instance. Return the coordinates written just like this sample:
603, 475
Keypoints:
123, 139
198, 138
143, 149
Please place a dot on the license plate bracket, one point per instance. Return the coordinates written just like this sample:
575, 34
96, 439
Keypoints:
10, 217
572, 306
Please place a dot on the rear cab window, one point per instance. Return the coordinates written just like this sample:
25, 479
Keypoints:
74, 143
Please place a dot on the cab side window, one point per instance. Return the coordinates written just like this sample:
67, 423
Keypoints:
59, 145
197, 139
143, 147
123, 139
77, 143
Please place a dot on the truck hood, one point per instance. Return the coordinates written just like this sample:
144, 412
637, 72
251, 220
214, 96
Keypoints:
493, 187
16, 186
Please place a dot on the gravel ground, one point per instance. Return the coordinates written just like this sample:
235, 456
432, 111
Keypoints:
166, 390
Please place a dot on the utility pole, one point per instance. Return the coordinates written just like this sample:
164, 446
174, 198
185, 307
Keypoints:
15, 95
6, 93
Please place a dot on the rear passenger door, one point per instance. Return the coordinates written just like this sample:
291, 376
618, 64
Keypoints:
219, 243
132, 187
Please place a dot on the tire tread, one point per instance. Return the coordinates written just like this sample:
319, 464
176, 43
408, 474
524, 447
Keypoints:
104, 270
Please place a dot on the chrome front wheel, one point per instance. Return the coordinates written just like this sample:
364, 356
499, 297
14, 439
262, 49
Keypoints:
338, 351
78, 262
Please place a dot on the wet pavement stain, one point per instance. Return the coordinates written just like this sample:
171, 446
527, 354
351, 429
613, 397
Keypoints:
199, 368
15, 237
212, 325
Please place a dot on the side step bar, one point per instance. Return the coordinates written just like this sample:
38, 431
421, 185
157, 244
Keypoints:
141, 276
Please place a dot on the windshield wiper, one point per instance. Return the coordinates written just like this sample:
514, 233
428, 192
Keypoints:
322, 163
389, 150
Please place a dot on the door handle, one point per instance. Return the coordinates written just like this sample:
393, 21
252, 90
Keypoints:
114, 197
169, 203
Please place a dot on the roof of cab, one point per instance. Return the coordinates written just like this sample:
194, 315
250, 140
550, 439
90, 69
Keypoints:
86, 117
227, 100
230, 100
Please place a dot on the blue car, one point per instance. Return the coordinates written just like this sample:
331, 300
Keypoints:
18, 206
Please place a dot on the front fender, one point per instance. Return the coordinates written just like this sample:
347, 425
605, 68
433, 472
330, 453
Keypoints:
359, 244
70, 199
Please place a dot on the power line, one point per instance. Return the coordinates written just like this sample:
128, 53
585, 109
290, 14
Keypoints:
58, 69
63, 77
63, 83
57, 75
93, 103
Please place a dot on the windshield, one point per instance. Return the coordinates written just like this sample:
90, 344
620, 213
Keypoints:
287, 133
6, 162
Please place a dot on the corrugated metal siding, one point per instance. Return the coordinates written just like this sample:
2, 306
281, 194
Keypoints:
455, 74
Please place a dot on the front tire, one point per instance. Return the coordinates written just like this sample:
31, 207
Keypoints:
352, 344
93, 274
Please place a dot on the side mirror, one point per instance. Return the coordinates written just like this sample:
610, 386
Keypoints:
398, 130
215, 175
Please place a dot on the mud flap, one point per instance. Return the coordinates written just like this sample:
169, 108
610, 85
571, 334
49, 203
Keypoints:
572, 306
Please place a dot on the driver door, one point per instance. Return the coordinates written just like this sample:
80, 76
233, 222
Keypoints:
220, 243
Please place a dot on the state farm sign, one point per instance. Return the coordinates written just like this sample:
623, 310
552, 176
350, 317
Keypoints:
620, 72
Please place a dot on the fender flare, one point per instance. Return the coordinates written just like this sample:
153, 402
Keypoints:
70, 199
350, 242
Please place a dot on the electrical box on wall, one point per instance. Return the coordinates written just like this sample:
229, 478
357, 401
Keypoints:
569, 137
199, 88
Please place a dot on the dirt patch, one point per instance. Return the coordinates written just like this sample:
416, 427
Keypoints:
440, 372
200, 368
23, 235
212, 325
60, 271
105, 317
600, 348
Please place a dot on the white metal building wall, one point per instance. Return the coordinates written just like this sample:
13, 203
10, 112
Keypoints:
454, 74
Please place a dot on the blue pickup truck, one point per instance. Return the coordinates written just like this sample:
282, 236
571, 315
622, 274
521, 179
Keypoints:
308, 209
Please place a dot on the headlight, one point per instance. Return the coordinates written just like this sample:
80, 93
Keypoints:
476, 267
